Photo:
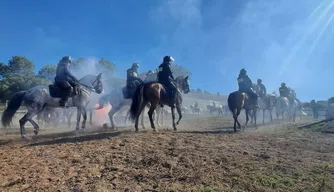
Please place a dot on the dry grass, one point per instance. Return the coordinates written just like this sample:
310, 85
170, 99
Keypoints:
202, 156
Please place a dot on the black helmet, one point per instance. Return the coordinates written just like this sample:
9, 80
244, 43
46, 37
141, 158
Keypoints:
243, 71
283, 84
135, 65
259, 80
66, 59
168, 59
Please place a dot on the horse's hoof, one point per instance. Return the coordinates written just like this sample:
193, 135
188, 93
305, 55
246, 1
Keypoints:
137, 130
175, 129
154, 130
36, 132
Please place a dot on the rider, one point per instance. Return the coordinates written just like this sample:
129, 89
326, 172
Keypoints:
214, 104
196, 105
133, 80
245, 86
262, 88
166, 78
65, 79
314, 109
284, 91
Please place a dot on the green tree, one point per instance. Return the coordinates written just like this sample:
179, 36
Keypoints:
20, 66
331, 100
48, 72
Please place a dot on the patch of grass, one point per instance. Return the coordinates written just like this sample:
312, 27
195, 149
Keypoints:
275, 182
209, 190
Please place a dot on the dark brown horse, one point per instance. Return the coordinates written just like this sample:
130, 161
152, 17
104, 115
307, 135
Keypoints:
156, 94
238, 101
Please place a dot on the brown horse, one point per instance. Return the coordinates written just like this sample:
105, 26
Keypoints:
156, 93
238, 101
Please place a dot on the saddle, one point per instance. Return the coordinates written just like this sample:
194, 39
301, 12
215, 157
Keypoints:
57, 92
128, 92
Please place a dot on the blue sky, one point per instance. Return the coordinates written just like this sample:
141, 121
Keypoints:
281, 40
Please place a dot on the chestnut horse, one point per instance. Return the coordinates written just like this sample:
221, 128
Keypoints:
238, 101
156, 93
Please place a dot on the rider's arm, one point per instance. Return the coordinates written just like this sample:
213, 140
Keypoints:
169, 72
69, 73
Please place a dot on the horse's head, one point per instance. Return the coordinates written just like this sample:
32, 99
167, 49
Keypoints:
98, 84
93, 80
183, 84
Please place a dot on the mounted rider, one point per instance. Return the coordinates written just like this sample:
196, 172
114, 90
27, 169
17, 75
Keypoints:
245, 85
132, 80
65, 79
166, 78
284, 91
196, 105
214, 104
262, 91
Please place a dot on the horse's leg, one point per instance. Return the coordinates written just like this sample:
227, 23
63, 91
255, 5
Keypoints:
30, 114
247, 117
254, 116
150, 114
143, 105
91, 111
111, 114
142, 118
178, 108
162, 116
78, 118
127, 117
173, 117
158, 115
84, 116
271, 115
263, 113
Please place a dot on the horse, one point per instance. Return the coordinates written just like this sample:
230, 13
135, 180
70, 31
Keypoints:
236, 102
282, 106
185, 110
266, 102
118, 101
196, 110
37, 98
214, 109
156, 93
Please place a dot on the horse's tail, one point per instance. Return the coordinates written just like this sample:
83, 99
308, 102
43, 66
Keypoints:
13, 105
231, 101
137, 101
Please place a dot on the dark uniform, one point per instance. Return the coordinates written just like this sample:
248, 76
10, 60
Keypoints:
284, 91
132, 80
262, 89
196, 105
245, 86
65, 79
314, 107
166, 78
214, 104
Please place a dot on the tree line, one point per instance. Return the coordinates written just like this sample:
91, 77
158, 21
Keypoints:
19, 74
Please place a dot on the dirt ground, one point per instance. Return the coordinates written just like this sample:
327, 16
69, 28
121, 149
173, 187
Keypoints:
203, 155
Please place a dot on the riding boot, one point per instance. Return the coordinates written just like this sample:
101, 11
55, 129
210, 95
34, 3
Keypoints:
65, 98
63, 101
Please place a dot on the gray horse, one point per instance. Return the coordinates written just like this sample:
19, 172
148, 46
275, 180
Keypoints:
36, 98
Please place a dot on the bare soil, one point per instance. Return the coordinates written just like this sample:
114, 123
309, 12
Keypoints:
203, 155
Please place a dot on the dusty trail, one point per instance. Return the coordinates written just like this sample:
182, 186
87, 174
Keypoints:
202, 156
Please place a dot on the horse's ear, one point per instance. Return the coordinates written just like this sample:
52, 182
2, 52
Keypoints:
100, 75
186, 78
